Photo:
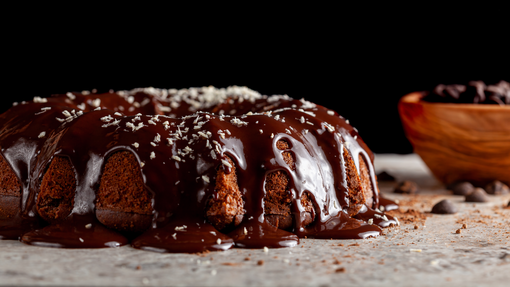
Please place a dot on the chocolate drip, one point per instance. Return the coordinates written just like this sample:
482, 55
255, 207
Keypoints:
179, 155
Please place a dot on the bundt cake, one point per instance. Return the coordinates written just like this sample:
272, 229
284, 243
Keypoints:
183, 171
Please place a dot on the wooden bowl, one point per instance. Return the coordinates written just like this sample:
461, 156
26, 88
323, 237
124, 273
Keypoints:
459, 142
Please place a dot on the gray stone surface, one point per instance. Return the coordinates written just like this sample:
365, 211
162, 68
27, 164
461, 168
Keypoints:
434, 254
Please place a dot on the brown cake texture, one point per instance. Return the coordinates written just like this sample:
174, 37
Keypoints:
229, 160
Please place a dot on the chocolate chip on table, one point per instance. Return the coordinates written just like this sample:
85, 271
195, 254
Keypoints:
478, 195
384, 176
445, 206
462, 188
407, 187
497, 187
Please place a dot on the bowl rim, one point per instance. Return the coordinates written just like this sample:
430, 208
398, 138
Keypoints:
416, 98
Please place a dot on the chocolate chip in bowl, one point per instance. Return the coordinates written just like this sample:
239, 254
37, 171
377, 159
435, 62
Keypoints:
461, 132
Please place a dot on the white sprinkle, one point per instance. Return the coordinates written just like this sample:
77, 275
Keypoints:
60, 120
309, 123
225, 162
157, 138
66, 113
329, 127
140, 125
42, 134
261, 131
151, 122
81, 239
371, 221
347, 121
88, 226
153, 155
213, 272
204, 135
176, 158
164, 109
130, 125
180, 228
118, 114
266, 250
331, 113
174, 235
218, 241
40, 100
415, 250
205, 178
245, 231
71, 96
96, 103
145, 102
107, 118
142, 164
272, 135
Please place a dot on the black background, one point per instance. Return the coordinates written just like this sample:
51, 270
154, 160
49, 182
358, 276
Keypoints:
357, 61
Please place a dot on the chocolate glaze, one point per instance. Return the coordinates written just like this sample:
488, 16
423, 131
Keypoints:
179, 154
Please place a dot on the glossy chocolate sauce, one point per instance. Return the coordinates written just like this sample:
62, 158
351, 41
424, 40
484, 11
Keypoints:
179, 154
